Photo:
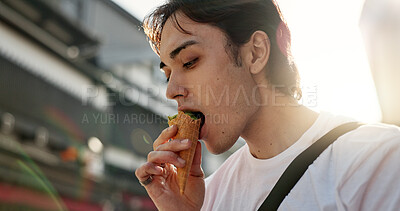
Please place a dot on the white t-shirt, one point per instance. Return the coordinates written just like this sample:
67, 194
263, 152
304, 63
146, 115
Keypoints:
360, 171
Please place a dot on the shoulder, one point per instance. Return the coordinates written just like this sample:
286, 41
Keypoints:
366, 166
373, 133
370, 143
368, 140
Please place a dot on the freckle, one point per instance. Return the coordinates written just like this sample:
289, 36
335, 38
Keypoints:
270, 144
259, 151
217, 79
223, 132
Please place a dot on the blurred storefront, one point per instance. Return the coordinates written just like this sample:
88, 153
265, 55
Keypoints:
74, 121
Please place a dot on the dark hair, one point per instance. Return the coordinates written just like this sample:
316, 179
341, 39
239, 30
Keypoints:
239, 19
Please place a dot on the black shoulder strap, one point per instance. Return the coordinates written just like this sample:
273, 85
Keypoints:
300, 164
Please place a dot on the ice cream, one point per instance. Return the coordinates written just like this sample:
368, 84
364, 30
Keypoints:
188, 128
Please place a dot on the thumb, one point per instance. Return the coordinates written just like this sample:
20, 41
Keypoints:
196, 170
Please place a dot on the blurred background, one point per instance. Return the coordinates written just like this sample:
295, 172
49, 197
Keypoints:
82, 98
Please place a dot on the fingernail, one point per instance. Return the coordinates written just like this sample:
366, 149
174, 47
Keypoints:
184, 141
180, 160
170, 127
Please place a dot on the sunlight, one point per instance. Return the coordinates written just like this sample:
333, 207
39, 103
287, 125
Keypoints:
329, 50
139, 8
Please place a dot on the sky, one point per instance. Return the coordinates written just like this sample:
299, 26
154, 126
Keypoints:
138, 8
329, 50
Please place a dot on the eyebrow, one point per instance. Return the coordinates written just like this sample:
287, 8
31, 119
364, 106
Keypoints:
177, 50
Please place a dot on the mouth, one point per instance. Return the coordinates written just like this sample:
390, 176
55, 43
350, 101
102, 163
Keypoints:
199, 115
203, 120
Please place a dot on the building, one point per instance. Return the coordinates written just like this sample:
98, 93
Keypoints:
77, 118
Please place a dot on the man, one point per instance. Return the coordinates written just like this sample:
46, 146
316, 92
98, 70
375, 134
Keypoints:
232, 59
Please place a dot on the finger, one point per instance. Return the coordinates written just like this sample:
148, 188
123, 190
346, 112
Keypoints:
160, 157
147, 169
174, 145
165, 135
196, 169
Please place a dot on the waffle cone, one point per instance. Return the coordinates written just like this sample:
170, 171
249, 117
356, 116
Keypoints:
188, 128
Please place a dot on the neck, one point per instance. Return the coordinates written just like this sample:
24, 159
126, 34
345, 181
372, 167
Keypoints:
275, 127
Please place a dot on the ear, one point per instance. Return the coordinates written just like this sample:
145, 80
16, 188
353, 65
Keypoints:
259, 46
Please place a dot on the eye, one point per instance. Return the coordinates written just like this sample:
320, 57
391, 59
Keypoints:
167, 75
189, 64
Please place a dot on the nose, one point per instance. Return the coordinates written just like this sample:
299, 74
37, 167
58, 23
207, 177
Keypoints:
175, 89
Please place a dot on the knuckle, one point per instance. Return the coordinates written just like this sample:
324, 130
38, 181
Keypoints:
156, 144
164, 131
159, 147
172, 156
167, 130
150, 155
138, 170
165, 134
162, 147
147, 165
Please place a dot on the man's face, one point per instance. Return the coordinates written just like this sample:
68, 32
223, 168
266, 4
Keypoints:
203, 77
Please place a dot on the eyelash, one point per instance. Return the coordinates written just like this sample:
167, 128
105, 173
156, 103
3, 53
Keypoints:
187, 65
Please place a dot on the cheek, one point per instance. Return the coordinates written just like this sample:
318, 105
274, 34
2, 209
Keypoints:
227, 94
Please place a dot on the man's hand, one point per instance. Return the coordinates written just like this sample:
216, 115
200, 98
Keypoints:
160, 166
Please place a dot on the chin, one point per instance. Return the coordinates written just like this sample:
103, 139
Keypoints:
214, 150
218, 146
